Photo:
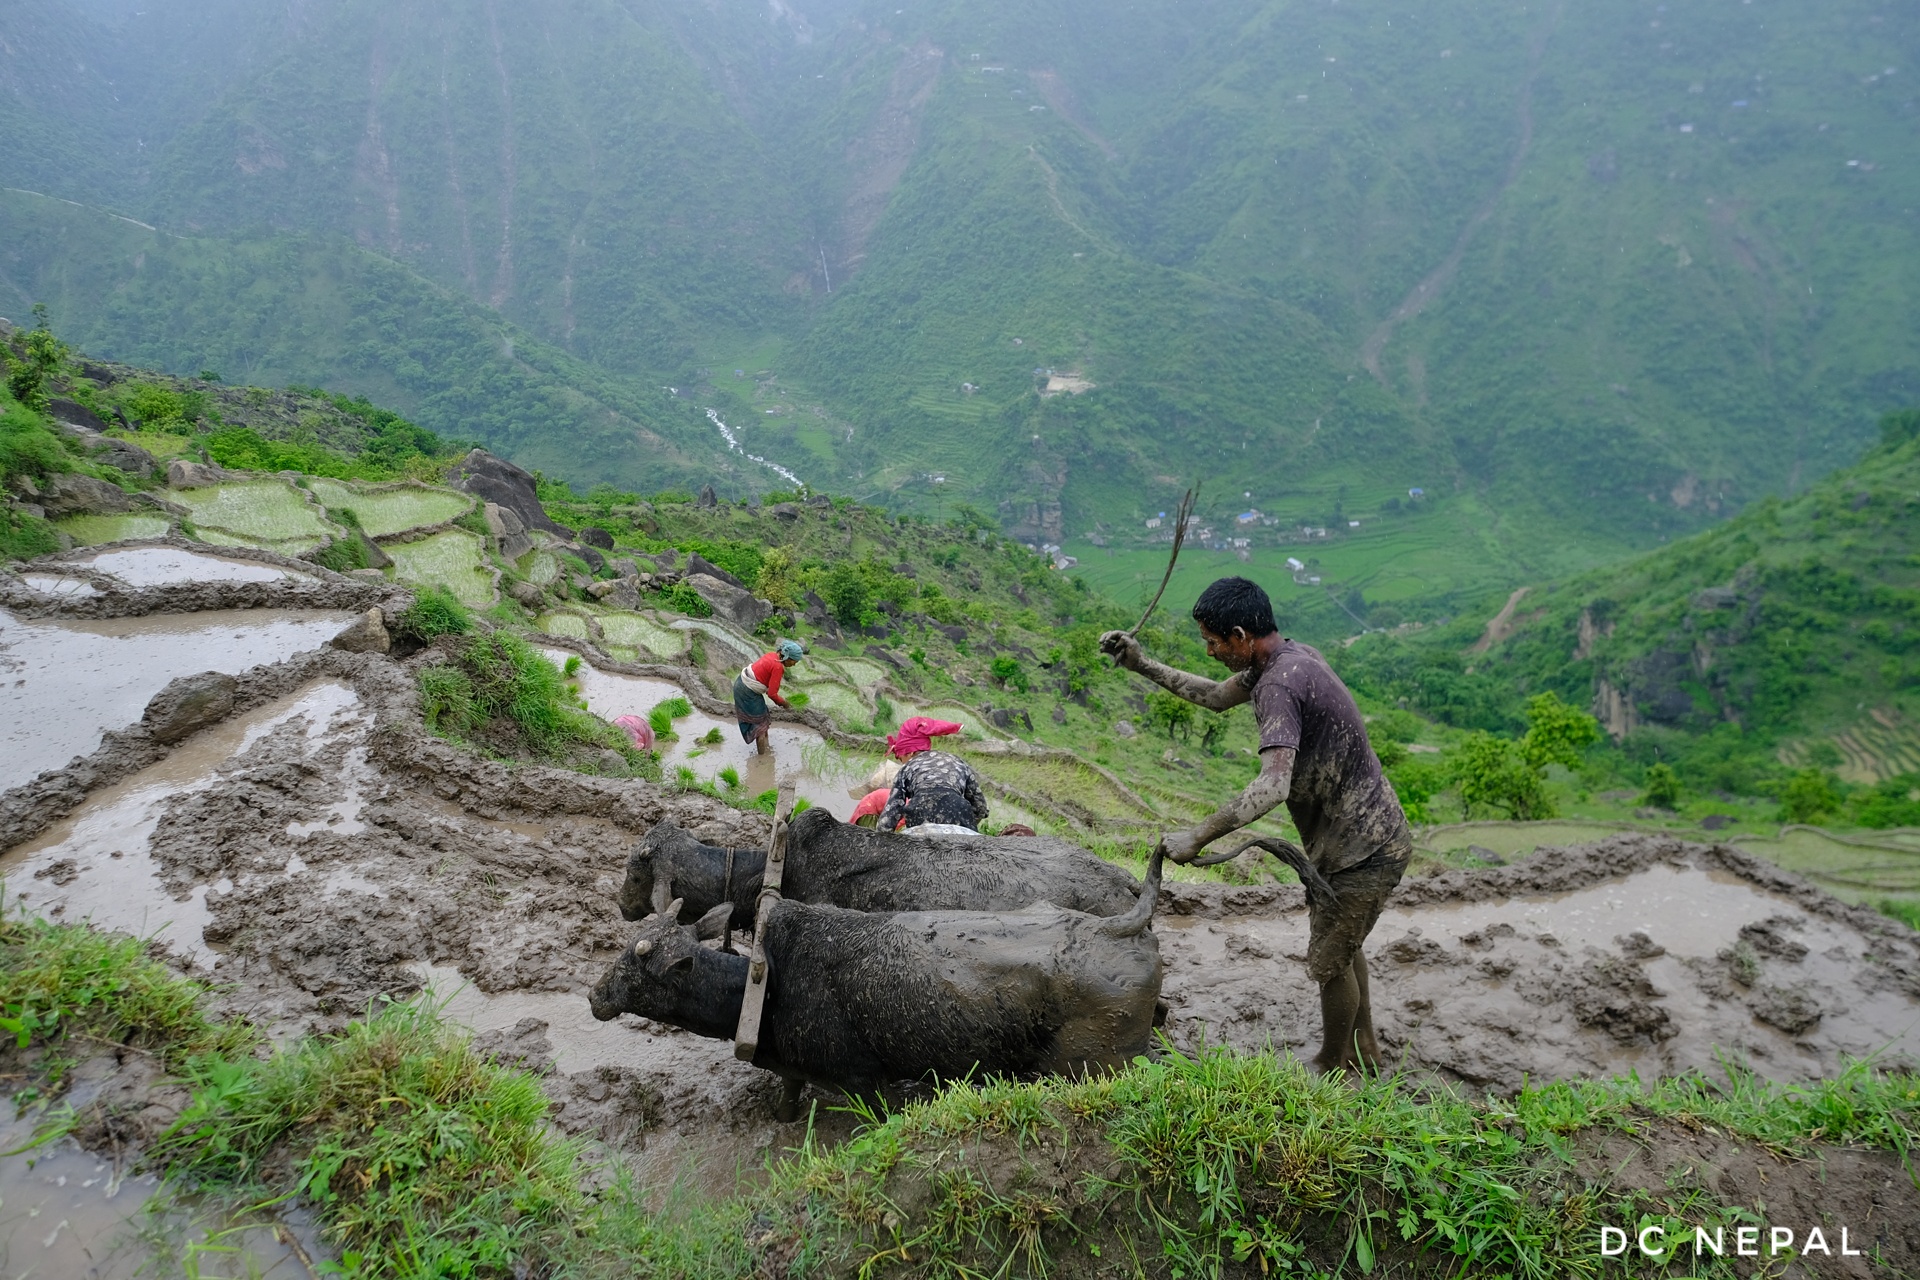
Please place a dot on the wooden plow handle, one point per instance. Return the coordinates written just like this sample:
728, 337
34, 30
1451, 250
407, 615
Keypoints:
746, 1037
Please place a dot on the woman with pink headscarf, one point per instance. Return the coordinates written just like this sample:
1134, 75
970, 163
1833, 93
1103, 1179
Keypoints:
917, 733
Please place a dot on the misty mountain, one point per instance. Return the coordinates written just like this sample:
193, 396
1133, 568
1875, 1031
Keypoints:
1610, 272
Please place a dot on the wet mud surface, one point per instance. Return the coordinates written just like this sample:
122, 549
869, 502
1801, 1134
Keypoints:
318, 850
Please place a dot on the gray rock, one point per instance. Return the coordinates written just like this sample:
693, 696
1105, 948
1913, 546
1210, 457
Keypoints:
508, 531
524, 1045
889, 657
182, 474
71, 493
1059, 714
75, 414
1125, 729
365, 634
731, 604
784, 511
527, 595
189, 703
819, 500
594, 536
707, 498
957, 634
697, 563
498, 481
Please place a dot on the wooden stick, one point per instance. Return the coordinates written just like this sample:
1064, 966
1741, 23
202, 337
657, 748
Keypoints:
746, 1036
1181, 518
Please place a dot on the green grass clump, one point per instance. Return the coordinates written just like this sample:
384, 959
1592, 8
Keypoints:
681, 598
1905, 910
62, 981
663, 715
28, 447
22, 537
1249, 1158
500, 681
435, 612
422, 1157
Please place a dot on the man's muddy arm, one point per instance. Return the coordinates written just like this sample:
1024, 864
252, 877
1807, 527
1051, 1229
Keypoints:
1214, 695
1267, 792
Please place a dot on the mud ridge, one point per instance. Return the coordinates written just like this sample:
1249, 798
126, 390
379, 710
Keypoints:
317, 587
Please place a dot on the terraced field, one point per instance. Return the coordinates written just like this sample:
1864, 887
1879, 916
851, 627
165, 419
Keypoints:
571, 625
387, 510
648, 640
91, 531
264, 513
451, 559
1882, 745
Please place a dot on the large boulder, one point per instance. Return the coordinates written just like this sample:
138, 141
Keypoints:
731, 604
500, 482
707, 498
75, 414
594, 536
189, 703
122, 455
697, 563
507, 530
72, 494
182, 474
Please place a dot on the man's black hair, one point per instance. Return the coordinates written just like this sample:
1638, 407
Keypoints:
1235, 602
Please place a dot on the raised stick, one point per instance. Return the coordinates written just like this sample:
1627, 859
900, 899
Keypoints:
1181, 517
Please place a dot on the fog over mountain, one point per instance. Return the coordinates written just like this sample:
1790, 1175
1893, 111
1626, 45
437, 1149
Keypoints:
1588, 276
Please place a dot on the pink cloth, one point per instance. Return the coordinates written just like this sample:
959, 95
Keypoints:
638, 729
870, 805
916, 735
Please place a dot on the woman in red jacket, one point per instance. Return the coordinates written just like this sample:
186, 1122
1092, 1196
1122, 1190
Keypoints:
759, 682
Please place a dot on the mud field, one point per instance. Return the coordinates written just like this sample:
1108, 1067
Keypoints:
315, 850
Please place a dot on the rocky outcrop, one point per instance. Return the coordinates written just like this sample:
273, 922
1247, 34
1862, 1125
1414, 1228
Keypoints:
497, 481
71, 494
731, 604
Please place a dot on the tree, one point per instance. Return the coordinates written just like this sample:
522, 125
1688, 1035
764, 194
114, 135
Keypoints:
1663, 786
846, 592
1511, 776
44, 356
1170, 712
1808, 794
1494, 772
1213, 732
1008, 671
1556, 733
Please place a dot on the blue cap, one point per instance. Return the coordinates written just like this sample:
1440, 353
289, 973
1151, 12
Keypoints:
790, 650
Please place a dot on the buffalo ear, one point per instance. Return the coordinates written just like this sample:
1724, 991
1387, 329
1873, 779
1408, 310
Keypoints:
662, 893
714, 923
672, 910
681, 965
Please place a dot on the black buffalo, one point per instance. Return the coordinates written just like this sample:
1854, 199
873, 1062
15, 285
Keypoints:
833, 864
856, 1000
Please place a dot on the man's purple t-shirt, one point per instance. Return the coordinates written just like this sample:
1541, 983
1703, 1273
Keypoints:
1344, 808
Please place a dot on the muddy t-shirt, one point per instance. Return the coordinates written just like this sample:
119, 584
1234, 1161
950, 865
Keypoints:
1340, 802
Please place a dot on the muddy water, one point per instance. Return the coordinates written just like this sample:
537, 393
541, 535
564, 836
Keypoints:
164, 566
64, 682
97, 864
819, 773
65, 1212
1556, 986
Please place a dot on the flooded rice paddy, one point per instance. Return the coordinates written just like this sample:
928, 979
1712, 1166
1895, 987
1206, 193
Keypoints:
63, 682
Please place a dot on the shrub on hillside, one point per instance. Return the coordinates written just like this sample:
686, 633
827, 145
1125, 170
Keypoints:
1808, 795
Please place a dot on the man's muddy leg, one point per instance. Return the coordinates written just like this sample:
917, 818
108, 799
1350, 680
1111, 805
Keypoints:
1339, 1008
760, 739
788, 1109
1367, 1047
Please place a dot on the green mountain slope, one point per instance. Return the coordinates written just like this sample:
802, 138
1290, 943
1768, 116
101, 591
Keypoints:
1591, 277
312, 310
1789, 634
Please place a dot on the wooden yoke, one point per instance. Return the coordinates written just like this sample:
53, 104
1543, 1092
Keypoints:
746, 1037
